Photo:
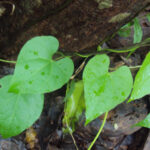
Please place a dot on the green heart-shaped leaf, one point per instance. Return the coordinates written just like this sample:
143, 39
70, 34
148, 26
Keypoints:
35, 70
104, 90
17, 111
141, 85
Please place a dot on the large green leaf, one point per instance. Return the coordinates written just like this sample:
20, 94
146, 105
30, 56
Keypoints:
75, 105
141, 85
104, 90
35, 70
17, 111
145, 123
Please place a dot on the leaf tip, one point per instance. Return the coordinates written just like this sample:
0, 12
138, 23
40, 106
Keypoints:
130, 100
87, 122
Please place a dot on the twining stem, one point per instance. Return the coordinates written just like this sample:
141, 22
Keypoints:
105, 51
83, 55
120, 51
7, 61
99, 132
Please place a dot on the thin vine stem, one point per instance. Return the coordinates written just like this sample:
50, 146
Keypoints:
74, 141
83, 55
7, 61
70, 132
120, 51
105, 51
99, 132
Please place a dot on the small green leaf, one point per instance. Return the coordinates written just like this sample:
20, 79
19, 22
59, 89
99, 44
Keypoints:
17, 111
141, 85
148, 17
138, 33
74, 106
104, 90
125, 31
144, 123
36, 71
99, 48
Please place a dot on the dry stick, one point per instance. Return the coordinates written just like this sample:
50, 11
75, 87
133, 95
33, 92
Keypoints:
78, 70
135, 67
12, 4
130, 67
99, 132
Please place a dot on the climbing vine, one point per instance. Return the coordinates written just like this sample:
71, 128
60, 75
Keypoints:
37, 73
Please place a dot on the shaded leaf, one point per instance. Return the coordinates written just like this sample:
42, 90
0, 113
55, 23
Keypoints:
17, 111
141, 85
74, 106
36, 71
104, 90
70, 89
